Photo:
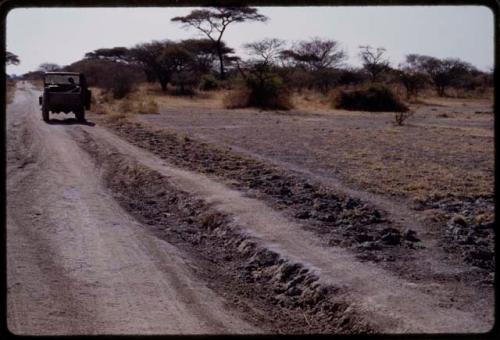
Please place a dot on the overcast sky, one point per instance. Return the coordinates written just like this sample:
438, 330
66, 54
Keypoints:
64, 35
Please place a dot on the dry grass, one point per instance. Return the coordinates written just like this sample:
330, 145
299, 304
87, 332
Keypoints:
306, 101
236, 99
168, 101
428, 156
136, 103
416, 162
312, 101
309, 101
449, 101
445, 148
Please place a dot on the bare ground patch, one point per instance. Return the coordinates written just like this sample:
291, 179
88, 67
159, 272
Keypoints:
440, 165
341, 220
344, 221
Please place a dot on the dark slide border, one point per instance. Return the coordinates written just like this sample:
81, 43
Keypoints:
7, 5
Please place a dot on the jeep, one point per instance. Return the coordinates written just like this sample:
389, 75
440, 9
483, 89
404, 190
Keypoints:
64, 92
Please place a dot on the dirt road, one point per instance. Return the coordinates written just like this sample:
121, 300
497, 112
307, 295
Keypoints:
78, 263
107, 237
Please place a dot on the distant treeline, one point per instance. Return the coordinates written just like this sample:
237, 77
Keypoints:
274, 65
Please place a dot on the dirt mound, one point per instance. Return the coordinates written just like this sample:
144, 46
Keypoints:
344, 221
282, 295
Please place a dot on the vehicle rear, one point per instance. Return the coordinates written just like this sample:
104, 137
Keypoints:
65, 92
64, 101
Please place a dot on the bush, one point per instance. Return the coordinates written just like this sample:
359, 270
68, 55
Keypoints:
264, 90
238, 98
401, 117
376, 98
268, 92
209, 83
325, 79
352, 76
121, 85
296, 78
185, 82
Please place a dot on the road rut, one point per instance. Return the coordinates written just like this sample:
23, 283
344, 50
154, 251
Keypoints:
77, 262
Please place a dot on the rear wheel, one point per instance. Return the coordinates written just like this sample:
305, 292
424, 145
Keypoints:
45, 113
80, 115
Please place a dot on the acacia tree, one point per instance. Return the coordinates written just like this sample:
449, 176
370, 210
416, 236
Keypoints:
180, 66
413, 81
214, 21
148, 56
316, 54
412, 78
205, 53
266, 51
443, 72
11, 58
114, 54
374, 61
318, 61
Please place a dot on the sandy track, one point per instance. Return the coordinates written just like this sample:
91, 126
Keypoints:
78, 263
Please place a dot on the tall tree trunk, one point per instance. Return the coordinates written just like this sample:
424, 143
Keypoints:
163, 83
221, 61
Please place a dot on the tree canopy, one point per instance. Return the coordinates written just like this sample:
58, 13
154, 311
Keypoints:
374, 61
316, 54
11, 58
214, 21
442, 72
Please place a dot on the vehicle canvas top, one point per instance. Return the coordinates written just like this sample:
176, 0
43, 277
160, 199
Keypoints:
68, 73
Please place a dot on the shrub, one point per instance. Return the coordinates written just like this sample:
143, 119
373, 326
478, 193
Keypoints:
185, 82
268, 92
352, 76
262, 90
296, 78
325, 79
375, 98
413, 82
121, 85
238, 98
401, 117
209, 83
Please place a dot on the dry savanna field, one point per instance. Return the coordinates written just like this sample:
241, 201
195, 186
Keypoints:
181, 186
295, 219
438, 167
444, 149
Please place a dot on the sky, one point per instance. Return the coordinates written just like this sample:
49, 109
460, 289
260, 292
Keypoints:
64, 35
